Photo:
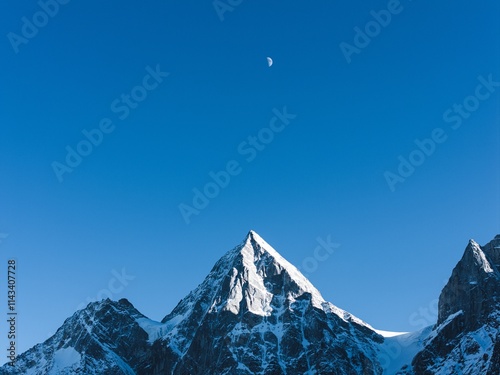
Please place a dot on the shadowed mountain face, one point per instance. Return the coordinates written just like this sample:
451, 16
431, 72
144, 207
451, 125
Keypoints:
466, 338
474, 286
255, 313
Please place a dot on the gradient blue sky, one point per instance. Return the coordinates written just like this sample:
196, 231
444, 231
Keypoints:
321, 176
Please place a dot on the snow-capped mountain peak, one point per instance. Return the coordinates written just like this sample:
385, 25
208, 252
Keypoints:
255, 313
245, 277
263, 261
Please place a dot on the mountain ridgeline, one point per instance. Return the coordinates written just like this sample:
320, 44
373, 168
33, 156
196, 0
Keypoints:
255, 313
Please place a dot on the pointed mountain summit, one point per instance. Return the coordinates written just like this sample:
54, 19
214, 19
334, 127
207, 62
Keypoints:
474, 285
255, 313
466, 338
261, 315
237, 281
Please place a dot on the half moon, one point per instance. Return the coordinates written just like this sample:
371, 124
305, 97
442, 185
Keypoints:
269, 61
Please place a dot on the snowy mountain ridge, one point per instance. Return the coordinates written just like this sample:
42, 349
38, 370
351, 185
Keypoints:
255, 313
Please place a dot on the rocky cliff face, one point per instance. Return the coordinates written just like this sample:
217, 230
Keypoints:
255, 313
466, 338
474, 286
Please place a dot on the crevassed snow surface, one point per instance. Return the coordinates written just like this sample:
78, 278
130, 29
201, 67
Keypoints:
399, 348
154, 329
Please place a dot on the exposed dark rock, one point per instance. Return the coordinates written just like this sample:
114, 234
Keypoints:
255, 313
465, 338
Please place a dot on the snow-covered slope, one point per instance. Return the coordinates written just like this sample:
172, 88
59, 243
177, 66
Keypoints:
255, 313
399, 348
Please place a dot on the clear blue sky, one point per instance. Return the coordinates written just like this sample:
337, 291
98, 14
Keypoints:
321, 175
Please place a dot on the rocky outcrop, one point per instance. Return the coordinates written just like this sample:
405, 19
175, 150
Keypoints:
466, 337
104, 338
474, 285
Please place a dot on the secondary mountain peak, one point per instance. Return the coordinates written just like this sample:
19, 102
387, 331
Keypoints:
466, 339
473, 286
